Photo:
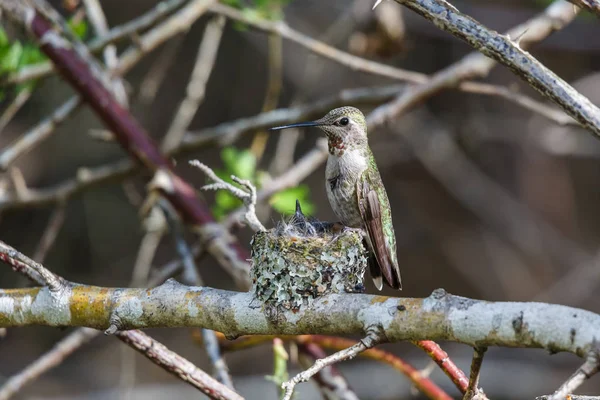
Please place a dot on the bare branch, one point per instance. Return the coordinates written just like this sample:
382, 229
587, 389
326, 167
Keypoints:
98, 20
38, 133
330, 380
248, 196
177, 365
592, 6
473, 391
176, 23
49, 360
53, 227
29, 268
196, 88
372, 339
507, 52
589, 368
441, 358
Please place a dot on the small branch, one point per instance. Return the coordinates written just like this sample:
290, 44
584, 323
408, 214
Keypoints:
248, 196
211, 344
589, 368
98, 20
592, 6
372, 339
196, 88
330, 380
292, 177
177, 365
22, 97
441, 358
31, 269
507, 52
38, 133
473, 392
47, 361
53, 227
176, 23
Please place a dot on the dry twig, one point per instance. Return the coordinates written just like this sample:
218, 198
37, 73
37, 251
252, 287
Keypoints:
372, 339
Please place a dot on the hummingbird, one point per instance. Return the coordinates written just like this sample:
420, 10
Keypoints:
355, 189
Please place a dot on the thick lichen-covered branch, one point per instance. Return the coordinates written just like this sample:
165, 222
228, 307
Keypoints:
440, 316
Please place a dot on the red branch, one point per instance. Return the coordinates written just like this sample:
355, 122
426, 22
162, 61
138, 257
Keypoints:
442, 359
130, 134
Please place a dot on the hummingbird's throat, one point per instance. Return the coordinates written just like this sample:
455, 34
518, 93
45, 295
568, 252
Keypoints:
336, 145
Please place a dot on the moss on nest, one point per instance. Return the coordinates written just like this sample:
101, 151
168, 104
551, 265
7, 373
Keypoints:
302, 259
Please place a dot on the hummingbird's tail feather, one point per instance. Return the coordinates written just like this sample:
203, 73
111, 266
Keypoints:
375, 271
370, 210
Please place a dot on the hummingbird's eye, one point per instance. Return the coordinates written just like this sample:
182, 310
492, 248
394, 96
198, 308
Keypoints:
344, 121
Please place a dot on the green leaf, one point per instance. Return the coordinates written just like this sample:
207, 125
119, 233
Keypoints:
78, 26
241, 163
31, 55
285, 201
3, 38
233, 3
226, 200
10, 58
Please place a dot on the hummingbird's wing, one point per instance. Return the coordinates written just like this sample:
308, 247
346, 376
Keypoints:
381, 237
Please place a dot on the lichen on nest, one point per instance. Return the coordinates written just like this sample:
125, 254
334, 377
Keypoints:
302, 259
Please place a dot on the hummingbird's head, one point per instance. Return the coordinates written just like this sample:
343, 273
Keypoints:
345, 127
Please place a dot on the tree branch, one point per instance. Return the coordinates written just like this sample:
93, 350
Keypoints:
592, 6
504, 50
440, 316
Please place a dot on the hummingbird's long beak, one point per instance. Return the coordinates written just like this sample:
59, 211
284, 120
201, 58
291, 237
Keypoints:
296, 125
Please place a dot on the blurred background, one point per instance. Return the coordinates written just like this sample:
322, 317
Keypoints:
507, 211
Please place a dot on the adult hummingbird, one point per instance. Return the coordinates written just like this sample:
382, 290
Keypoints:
355, 190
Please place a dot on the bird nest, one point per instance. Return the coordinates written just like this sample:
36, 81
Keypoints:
302, 259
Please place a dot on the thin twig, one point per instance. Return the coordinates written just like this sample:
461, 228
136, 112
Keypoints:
372, 339
156, 74
47, 361
38, 133
590, 367
248, 196
14, 107
196, 88
55, 223
29, 268
330, 380
179, 22
592, 6
473, 392
98, 20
